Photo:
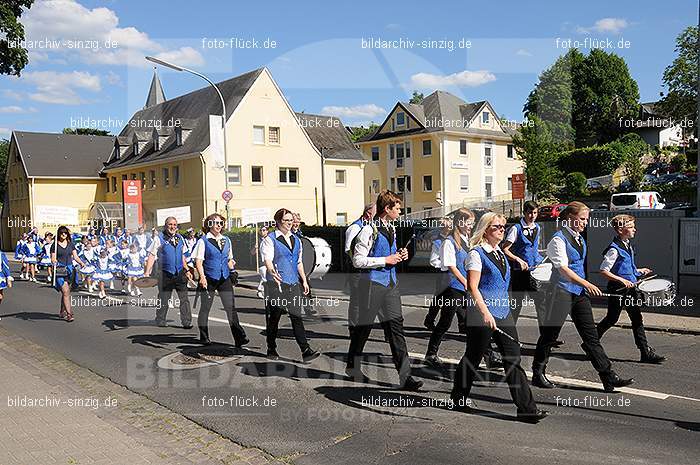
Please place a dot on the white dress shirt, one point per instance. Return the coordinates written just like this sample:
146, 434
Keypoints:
475, 263
448, 254
267, 247
350, 233
363, 245
556, 249
199, 248
611, 257
512, 235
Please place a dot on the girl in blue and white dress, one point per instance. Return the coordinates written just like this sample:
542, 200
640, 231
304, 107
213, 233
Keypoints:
114, 264
45, 260
89, 257
134, 269
103, 274
5, 275
121, 259
31, 251
19, 254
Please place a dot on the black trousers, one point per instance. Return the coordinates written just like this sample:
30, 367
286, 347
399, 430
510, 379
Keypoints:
629, 302
452, 301
225, 289
383, 302
166, 285
579, 307
478, 340
354, 304
523, 285
276, 301
442, 281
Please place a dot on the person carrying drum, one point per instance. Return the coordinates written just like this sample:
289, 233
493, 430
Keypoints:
567, 251
442, 278
620, 268
376, 253
354, 274
286, 280
296, 230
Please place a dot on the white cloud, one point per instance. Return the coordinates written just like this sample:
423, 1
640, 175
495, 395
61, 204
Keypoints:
605, 25
15, 109
83, 33
523, 53
369, 110
113, 78
185, 56
59, 88
5, 133
12, 94
464, 78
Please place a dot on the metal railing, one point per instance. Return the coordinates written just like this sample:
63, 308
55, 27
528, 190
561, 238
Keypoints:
502, 204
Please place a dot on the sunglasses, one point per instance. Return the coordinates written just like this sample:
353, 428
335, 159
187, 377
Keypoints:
500, 227
216, 222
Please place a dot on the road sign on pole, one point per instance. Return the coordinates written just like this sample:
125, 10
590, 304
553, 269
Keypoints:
227, 195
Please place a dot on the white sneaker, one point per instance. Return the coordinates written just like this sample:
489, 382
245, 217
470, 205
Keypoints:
138, 291
102, 294
111, 285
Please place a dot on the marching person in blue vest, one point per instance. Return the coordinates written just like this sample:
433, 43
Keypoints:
286, 281
453, 258
168, 249
213, 257
5, 275
488, 280
308, 298
567, 252
353, 273
521, 246
620, 268
376, 253
442, 278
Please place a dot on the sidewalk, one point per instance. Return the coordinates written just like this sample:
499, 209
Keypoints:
417, 292
80, 418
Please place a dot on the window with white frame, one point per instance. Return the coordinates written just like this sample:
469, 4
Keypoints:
340, 177
341, 219
464, 183
391, 151
463, 147
510, 183
400, 118
289, 175
256, 174
407, 146
428, 183
485, 117
399, 155
234, 174
273, 135
152, 176
375, 153
375, 186
427, 148
176, 175
488, 155
408, 183
166, 177
258, 134
392, 184
400, 184
511, 151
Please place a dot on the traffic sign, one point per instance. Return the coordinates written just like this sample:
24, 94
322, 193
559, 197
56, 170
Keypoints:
227, 195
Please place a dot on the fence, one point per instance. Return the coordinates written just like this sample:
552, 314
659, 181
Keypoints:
503, 205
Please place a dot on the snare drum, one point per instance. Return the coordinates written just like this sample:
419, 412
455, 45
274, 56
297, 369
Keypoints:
316, 257
657, 292
541, 274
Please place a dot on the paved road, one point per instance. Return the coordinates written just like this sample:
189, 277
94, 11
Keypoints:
308, 414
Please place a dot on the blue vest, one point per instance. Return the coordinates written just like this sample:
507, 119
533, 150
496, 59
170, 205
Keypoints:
215, 260
381, 248
461, 255
169, 257
286, 261
624, 266
576, 264
493, 286
523, 248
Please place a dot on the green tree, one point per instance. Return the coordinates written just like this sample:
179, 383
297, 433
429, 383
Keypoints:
86, 132
575, 185
535, 146
634, 171
681, 79
417, 97
362, 131
13, 57
4, 152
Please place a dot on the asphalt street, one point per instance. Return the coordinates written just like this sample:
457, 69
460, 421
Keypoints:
310, 414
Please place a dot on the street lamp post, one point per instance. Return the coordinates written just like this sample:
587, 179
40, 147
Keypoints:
323, 185
223, 116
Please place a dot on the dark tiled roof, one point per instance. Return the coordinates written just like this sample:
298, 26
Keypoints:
63, 155
191, 112
328, 132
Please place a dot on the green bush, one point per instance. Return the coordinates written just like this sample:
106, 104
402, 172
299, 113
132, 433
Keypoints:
600, 160
575, 185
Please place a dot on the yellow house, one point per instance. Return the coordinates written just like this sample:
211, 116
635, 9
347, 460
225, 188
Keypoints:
440, 154
274, 157
52, 179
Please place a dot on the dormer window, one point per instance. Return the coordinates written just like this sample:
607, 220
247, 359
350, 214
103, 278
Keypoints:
178, 136
400, 118
485, 117
136, 148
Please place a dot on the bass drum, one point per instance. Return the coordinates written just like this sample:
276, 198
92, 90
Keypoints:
316, 257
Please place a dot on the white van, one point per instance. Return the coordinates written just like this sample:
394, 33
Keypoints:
637, 201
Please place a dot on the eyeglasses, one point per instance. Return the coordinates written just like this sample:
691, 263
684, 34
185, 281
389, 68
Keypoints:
500, 227
217, 222
288, 220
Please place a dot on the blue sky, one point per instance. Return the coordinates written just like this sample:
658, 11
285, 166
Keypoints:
318, 59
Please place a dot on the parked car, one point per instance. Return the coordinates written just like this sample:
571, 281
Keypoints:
551, 211
593, 184
637, 201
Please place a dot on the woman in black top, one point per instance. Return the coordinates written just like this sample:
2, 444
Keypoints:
63, 254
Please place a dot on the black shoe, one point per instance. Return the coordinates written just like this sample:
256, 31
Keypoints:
612, 380
557, 343
412, 384
462, 329
161, 323
428, 323
204, 340
309, 354
310, 312
187, 325
650, 356
533, 417
356, 375
272, 354
433, 361
493, 360
242, 342
540, 380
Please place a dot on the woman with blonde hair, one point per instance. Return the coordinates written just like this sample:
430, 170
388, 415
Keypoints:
488, 280
453, 259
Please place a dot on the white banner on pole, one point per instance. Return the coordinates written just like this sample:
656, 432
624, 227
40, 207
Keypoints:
181, 214
56, 215
256, 215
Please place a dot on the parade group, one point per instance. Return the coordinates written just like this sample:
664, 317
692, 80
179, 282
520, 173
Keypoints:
479, 268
